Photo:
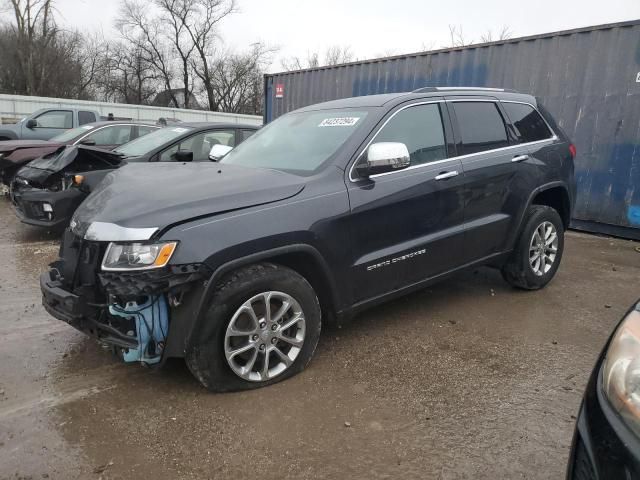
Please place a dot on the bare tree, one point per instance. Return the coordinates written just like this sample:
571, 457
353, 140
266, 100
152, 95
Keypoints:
34, 28
129, 76
237, 80
503, 34
456, 37
137, 27
200, 22
334, 55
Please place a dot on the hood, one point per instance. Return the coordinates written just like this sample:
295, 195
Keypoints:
74, 158
14, 153
156, 195
8, 146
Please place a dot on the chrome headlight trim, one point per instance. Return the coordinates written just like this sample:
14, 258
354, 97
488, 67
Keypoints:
152, 263
621, 370
111, 232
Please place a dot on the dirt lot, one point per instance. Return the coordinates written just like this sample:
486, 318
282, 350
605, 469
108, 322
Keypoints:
468, 379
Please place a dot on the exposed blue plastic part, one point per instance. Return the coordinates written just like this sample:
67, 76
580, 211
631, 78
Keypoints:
152, 326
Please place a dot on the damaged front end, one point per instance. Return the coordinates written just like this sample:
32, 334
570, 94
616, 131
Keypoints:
47, 191
143, 314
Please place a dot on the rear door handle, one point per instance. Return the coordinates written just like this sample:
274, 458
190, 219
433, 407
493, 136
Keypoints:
520, 158
445, 175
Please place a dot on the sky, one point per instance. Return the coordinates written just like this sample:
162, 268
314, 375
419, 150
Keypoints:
373, 28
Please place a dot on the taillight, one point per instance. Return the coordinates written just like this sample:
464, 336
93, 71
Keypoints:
572, 151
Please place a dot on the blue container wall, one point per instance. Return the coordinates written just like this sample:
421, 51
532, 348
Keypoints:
588, 79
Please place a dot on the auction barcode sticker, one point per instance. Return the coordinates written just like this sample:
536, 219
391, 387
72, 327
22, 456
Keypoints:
339, 122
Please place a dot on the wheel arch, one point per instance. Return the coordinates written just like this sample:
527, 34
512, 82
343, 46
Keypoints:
539, 197
302, 258
557, 197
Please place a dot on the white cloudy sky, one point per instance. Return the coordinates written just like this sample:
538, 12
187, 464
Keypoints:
376, 27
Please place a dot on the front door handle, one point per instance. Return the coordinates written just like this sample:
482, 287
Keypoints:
520, 158
446, 175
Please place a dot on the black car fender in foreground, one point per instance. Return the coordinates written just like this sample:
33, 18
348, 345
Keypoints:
604, 446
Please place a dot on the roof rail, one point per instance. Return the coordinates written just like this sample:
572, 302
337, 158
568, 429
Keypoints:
444, 89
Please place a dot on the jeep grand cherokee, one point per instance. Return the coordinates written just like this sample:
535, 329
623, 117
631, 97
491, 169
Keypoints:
326, 211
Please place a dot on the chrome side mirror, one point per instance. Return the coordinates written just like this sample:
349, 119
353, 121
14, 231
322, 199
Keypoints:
384, 157
218, 151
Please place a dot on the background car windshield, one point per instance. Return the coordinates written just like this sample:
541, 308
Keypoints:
144, 145
299, 143
71, 134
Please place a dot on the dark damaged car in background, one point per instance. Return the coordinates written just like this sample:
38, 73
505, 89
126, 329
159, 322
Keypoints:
47, 191
606, 443
324, 212
107, 135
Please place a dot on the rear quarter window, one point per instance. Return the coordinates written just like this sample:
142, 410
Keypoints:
530, 126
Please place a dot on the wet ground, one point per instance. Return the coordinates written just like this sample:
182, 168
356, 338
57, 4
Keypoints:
468, 379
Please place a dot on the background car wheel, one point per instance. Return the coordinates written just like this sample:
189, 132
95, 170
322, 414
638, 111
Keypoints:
538, 251
262, 326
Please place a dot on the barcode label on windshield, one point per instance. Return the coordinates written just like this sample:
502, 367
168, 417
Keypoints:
339, 122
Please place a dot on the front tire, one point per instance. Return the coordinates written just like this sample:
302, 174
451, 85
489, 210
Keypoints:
538, 252
262, 326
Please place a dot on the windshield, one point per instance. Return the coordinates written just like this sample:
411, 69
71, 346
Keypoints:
143, 145
298, 143
71, 134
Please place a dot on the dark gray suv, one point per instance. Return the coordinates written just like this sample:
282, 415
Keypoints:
326, 211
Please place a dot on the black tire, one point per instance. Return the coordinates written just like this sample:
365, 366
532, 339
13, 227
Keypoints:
206, 357
517, 271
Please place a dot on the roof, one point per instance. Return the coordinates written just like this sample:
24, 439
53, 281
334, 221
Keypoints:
384, 98
118, 122
605, 26
204, 125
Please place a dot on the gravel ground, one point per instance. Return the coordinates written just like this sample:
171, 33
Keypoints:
467, 379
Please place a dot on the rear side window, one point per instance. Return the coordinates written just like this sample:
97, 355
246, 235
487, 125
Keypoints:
86, 117
112, 135
420, 129
481, 126
244, 134
530, 125
144, 129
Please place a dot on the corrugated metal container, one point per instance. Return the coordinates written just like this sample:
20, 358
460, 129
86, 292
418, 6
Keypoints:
18, 106
589, 78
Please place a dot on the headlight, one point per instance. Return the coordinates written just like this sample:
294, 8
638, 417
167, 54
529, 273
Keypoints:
137, 256
621, 374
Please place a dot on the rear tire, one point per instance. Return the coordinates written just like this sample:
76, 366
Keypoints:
237, 320
538, 251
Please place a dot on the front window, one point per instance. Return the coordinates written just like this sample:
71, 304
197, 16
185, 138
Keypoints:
200, 144
420, 129
55, 119
143, 145
300, 143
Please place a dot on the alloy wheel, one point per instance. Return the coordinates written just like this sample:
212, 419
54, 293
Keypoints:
265, 336
543, 248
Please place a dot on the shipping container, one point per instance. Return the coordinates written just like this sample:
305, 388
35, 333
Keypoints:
589, 78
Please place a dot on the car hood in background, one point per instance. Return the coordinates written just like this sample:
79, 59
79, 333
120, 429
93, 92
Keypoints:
11, 145
162, 194
83, 159
18, 152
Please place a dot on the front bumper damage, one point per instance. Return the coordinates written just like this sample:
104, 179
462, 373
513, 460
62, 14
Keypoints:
144, 315
44, 208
